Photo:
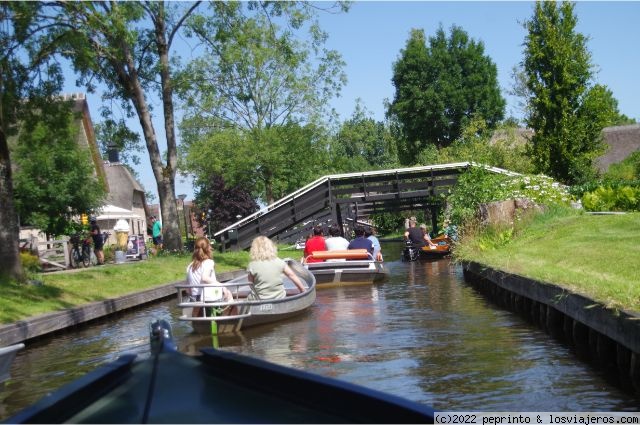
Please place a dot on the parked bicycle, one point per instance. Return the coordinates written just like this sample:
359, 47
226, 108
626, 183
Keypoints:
80, 250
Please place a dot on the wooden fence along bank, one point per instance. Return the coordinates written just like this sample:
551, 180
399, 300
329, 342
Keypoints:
607, 338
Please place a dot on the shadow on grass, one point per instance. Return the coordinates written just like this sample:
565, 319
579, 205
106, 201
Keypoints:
18, 298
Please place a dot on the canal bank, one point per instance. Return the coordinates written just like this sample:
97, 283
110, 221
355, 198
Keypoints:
608, 338
49, 323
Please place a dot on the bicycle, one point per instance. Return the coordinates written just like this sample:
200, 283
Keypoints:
80, 252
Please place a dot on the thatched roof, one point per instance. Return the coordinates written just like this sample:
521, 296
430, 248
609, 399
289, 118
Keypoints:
122, 185
622, 141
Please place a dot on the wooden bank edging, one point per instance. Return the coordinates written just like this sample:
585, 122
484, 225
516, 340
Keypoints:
621, 326
37, 326
607, 338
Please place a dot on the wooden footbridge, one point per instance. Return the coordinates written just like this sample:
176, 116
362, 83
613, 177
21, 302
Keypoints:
345, 199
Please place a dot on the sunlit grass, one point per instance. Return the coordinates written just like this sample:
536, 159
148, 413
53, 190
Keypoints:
77, 287
596, 255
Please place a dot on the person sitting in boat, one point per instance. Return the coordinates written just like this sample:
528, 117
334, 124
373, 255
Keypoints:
335, 241
314, 243
201, 271
416, 236
360, 241
266, 271
369, 233
450, 231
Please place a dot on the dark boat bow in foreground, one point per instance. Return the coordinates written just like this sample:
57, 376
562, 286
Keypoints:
217, 387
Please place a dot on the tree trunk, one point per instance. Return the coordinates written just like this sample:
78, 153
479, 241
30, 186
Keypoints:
10, 265
165, 176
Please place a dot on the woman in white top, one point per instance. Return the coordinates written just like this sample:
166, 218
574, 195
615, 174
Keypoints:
201, 271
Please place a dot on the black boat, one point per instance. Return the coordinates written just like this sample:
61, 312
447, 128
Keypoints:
216, 387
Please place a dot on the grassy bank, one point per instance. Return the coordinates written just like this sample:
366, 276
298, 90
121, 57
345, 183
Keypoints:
595, 255
77, 287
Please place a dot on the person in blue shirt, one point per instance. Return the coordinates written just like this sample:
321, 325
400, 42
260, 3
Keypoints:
360, 241
369, 233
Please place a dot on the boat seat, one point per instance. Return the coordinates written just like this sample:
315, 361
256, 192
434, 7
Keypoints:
347, 254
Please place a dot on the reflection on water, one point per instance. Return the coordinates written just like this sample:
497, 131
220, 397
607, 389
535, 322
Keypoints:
424, 335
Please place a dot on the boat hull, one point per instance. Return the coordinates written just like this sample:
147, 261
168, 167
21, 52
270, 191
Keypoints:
215, 387
335, 273
245, 312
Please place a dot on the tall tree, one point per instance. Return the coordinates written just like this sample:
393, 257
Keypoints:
13, 81
55, 176
257, 78
25, 79
225, 202
565, 112
127, 46
440, 87
364, 144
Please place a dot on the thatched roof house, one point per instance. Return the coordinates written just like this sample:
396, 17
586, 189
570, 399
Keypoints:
621, 142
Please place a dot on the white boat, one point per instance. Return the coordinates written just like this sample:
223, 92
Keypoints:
7, 354
341, 267
219, 316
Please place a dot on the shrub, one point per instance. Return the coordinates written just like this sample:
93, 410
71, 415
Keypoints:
477, 186
30, 262
607, 198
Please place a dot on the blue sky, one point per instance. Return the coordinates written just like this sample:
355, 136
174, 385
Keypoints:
371, 35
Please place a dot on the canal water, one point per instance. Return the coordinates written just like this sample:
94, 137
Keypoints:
424, 335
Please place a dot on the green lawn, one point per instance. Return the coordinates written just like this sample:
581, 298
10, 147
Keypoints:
595, 255
76, 287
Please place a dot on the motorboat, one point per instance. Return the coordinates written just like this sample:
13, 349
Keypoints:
218, 316
214, 387
413, 252
341, 267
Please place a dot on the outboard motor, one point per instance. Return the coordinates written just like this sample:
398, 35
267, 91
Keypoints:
160, 336
410, 252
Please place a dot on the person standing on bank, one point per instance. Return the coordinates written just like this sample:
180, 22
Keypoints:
416, 236
156, 234
98, 240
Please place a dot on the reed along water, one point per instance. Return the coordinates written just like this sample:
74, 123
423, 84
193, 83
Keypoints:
424, 334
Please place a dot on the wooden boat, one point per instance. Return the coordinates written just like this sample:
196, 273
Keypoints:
345, 266
7, 355
413, 253
219, 316
215, 387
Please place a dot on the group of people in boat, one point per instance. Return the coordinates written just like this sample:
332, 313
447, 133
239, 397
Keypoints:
418, 236
364, 239
265, 270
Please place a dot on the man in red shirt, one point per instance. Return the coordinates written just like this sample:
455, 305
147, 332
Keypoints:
314, 243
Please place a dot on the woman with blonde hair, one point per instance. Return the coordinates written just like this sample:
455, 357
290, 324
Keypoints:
201, 271
266, 271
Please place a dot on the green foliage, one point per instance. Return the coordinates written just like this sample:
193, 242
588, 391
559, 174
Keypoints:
566, 114
363, 144
112, 133
253, 98
621, 198
54, 176
439, 88
30, 262
626, 170
387, 223
477, 186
